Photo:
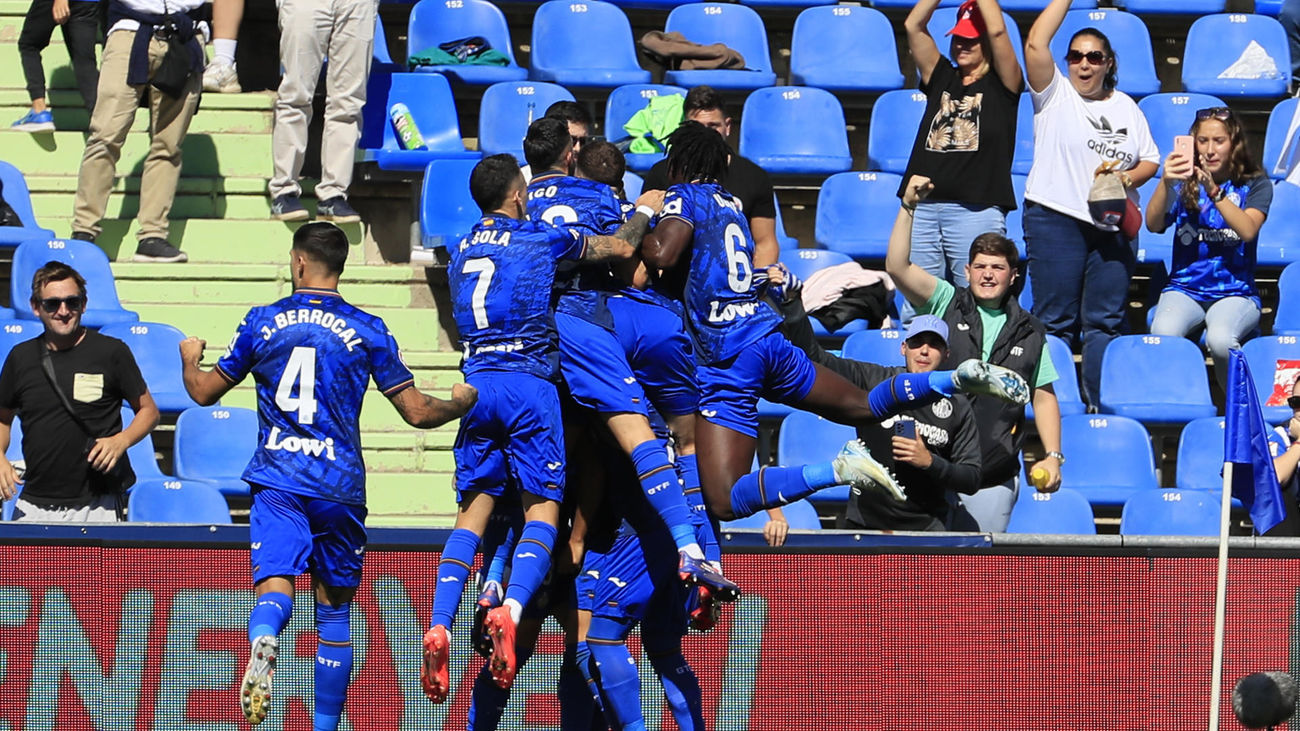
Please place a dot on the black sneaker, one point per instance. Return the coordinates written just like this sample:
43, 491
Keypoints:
83, 236
336, 209
159, 250
288, 208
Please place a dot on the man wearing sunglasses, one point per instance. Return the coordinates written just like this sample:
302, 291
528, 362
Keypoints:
73, 441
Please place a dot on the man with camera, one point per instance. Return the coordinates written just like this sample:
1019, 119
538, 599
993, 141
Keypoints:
153, 53
67, 386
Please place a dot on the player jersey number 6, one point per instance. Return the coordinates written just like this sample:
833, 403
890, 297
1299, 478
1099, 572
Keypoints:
740, 273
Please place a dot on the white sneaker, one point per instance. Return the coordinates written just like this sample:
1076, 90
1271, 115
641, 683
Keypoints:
221, 78
976, 376
855, 465
255, 691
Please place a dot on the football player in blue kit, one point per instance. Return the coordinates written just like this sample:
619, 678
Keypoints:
501, 277
742, 354
593, 359
312, 356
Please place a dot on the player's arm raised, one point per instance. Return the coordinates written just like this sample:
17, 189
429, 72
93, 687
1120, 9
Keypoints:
205, 387
624, 242
423, 411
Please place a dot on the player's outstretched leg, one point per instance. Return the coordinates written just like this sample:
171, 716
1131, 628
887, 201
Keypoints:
978, 377
616, 672
681, 688
453, 571
265, 622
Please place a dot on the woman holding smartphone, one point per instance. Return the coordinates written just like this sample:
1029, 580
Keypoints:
1216, 197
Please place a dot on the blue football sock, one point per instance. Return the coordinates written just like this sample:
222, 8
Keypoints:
453, 571
582, 660
909, 391
659, 483
688, 471
616, 672
333, 664
576, 705
496, 570
681, 689
269, 615
770, 487
489, 701
531, 561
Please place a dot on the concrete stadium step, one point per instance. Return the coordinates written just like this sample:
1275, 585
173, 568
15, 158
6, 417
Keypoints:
368, 287
203, 155
410, 499
218, 113
213, 240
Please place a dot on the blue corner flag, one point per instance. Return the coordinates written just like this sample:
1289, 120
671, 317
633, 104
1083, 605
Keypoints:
1245, 445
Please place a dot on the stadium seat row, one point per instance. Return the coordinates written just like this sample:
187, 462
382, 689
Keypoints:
837, 47
1172, 512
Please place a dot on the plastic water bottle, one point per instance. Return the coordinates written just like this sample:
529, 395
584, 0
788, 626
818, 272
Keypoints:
408, 135
1038, 478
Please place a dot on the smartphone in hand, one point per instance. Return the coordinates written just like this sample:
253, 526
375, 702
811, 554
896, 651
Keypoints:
1185, 146
905, 428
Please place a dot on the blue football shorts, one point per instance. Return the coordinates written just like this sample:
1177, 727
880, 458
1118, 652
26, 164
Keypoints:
292, 534
771, 367
514, 432
660, 353
595, 368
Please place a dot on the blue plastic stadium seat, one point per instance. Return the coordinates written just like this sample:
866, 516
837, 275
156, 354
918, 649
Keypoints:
1165, 7
1271, 8
737, 27
855, 212
214, 444
1262, 355
1200, 455
1216, 42
1037, 6
875, 346
652, 4
803, 263
1155, 379
771, 411
1064, 512
785, 240
143, 456
102, 305
1154, 249
1022, 158
428, 96
1109, 457
1128, 36
1275, 139
806, 438
1171, 512
585, 44
1066, 386
844, 48
1277, 245
1169, 115
447, 211
508, 108
623, 103
800, 515
434, 22
155, 347
945, 18
168, 500
13, 332
786, 3
1015, 219
632, 185
795, 130
1286, 320
19, 198
895, 118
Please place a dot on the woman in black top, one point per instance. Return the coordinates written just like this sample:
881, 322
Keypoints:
967, 135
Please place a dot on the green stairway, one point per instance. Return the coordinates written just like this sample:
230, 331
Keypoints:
238, 259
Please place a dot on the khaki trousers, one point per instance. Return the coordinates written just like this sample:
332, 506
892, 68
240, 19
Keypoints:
115, 107
310, 32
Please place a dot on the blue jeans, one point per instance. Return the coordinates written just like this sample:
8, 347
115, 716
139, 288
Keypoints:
1228, 322
1080, 276
942, 232
991, 506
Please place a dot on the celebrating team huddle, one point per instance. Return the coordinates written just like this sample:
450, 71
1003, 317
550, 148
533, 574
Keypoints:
614, 355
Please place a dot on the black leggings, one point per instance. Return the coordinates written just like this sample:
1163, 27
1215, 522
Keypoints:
80, 32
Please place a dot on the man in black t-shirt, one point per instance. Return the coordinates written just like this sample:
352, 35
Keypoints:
745, 180
66, 482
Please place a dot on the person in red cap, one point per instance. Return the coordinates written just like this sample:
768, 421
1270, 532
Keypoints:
967, 134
